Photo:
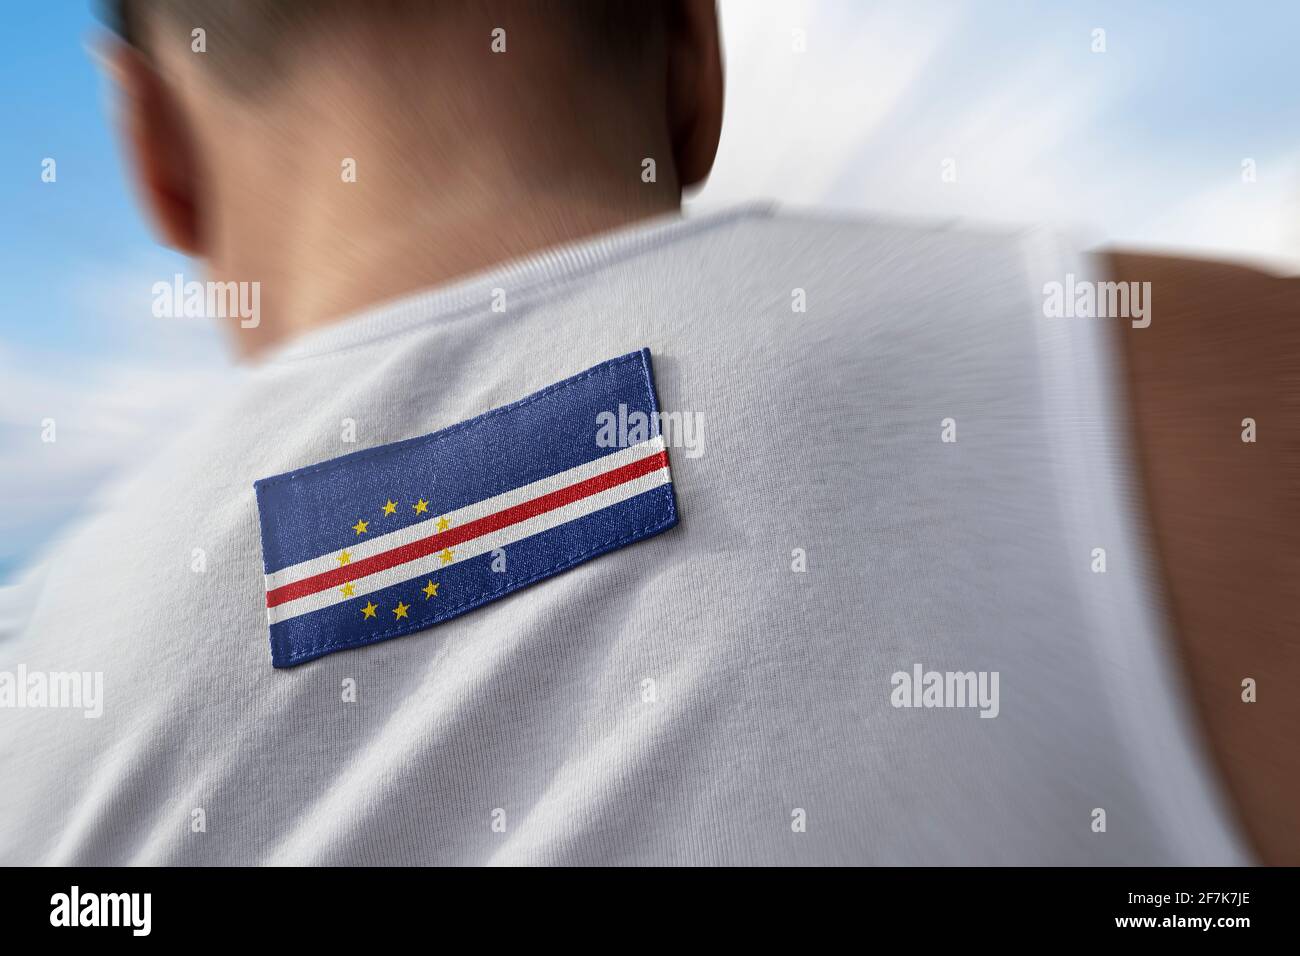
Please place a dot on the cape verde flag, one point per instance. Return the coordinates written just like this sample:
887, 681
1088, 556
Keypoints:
395, 539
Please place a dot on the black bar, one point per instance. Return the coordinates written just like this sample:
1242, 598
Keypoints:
212, 906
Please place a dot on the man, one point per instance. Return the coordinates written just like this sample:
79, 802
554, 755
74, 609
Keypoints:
891, 598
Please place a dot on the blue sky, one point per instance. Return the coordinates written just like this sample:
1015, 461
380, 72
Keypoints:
75, 341
54, 106
1139, 145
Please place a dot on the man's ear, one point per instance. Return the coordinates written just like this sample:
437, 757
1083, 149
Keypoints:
159, 145
694, 88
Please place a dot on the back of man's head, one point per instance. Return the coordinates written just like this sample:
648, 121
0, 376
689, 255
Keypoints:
494, 126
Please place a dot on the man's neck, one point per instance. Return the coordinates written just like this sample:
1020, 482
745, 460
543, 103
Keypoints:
338, 262
439, 188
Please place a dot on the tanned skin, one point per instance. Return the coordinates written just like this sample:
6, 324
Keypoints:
1224, 345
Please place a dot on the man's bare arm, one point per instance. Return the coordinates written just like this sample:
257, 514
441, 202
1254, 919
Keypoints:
1224, 346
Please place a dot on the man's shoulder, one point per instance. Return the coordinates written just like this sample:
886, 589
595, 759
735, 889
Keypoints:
809, 280
815, 269
864, 239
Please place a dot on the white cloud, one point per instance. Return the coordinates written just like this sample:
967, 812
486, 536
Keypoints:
794, 121
111, 409
1036, 124
1258, 221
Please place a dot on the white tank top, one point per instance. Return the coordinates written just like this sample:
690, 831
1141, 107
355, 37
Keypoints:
880, 632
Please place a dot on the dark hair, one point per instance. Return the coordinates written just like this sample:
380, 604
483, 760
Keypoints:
246, 35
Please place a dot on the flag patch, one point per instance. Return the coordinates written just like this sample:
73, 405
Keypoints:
395, 539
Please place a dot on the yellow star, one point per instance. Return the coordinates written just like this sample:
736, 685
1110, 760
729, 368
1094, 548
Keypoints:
446, 556
344, 558
421, 507
370, 609
390, 506
347, 589
401, 609
443, 523
430, 590
360, 526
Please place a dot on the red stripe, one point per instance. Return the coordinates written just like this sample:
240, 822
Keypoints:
466, 532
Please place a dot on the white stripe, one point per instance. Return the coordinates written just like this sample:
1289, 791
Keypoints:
479, 509
431, 564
